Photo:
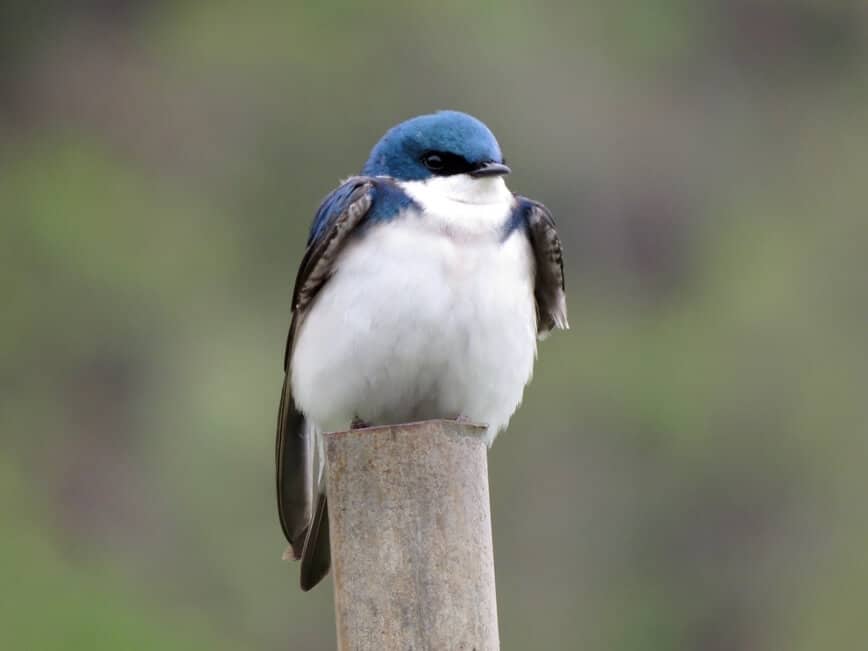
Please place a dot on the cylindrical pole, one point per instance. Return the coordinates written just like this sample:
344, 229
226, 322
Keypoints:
410, 528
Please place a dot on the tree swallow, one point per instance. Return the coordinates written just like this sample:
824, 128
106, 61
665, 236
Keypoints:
421, 294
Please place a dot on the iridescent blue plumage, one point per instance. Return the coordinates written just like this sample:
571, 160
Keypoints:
387, 201
398, 155
399, 152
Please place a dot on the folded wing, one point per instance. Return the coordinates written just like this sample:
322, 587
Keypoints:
551, 300
340, 213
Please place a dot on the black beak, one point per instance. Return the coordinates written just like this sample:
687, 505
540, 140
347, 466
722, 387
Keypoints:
490, 168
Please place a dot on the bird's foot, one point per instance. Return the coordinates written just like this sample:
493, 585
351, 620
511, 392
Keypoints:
470, 422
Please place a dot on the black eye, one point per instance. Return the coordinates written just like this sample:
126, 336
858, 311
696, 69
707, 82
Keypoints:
444, 163
433, 162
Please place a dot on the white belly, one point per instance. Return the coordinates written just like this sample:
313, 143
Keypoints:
415, 324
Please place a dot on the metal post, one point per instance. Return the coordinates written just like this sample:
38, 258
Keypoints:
411, 548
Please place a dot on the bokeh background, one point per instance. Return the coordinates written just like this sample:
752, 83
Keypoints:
688, 468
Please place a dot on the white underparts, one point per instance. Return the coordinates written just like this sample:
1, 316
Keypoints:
429, 315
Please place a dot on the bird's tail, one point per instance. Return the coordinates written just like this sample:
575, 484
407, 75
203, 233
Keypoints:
294, 472
306, 530
316, 555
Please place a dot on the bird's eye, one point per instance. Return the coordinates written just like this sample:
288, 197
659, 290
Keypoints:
434, 162
444, 163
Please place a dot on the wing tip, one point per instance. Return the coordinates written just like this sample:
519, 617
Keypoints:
560, 314
316, 554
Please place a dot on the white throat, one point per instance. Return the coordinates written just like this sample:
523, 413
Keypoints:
461, 188
462, 204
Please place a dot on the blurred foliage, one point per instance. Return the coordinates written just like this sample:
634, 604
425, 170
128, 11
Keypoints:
686, 471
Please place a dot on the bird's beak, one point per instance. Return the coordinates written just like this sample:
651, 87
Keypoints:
490, 168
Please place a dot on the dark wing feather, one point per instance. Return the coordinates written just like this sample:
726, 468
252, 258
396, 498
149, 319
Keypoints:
551, 300
294, 469
341, 212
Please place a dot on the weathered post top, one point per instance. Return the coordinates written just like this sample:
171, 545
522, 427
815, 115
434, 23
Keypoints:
411, 546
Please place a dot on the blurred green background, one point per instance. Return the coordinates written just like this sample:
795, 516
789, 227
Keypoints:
687, 470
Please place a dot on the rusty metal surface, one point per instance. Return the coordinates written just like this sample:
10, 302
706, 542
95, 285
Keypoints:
411, 538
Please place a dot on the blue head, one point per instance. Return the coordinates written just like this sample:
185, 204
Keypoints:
441, 144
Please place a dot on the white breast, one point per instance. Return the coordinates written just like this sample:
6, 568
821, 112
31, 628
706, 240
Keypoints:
429, 315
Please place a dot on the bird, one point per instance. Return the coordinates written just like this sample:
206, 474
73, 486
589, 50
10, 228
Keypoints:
423, 289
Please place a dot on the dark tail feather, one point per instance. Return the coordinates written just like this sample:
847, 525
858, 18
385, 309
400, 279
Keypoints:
316, 555
294, 465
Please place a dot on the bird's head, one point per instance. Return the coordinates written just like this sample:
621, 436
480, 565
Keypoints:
443, 145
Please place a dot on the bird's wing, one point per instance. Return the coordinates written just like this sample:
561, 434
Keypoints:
551, 300
341, 212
